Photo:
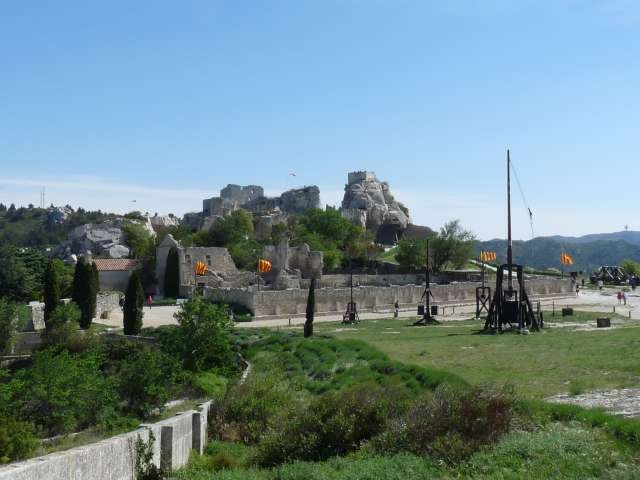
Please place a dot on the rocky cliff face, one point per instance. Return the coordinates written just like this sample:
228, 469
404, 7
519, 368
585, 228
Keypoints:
369, 202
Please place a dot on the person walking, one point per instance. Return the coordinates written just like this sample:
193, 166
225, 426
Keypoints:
624, 298
619, 297
149, 301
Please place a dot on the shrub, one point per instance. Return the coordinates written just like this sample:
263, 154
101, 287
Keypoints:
145, 377
17, 439
335, 423
205, 337
64, 313
248, 409
67, 336
449, 424
61, 392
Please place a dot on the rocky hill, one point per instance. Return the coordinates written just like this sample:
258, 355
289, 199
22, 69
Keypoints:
368, 202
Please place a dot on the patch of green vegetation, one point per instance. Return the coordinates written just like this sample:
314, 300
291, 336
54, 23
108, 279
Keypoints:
537, 365
321, 364
556, 451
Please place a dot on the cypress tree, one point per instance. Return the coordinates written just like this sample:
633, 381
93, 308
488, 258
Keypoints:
311, 306
51, 291
171, 275
78, 282
94, 287
133, 305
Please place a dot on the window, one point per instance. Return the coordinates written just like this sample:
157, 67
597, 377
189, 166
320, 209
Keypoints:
187, 258
209, 260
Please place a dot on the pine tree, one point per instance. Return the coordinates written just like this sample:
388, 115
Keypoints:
133, 305
51, 291
171, 275
311, 306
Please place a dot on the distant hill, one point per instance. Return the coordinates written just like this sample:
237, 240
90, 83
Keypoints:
588, 255
627, 236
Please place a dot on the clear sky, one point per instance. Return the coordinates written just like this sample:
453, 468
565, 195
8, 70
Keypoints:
165, 102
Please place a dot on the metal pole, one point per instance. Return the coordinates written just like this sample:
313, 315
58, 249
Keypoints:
509, 244
427, 310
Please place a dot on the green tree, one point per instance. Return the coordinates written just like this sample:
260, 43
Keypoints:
172, 275
452, 247
228, 230
16, 282
146, 377
412, 252
51, 291
329, 232
133, 305
61, 392
630, 267
139, 240
85, 291
94, 288
7, 325
205, 336
245, 254
311, 306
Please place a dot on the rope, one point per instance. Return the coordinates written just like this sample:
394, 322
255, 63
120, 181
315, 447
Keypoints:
524, 200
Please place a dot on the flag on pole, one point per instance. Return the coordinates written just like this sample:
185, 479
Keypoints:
487, 256
200, 268
566, 259
264, 266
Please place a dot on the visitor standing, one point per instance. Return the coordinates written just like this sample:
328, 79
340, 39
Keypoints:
149, 301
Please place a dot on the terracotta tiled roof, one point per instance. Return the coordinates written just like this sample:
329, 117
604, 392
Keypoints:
115, 264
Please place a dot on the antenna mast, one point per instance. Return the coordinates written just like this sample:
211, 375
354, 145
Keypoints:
509, 243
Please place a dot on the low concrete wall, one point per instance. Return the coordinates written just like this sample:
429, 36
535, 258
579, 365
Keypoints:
114, 458
293, 302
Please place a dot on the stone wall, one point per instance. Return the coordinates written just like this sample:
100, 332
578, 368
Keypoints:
36, 317
114, 458
293, 302
114, 279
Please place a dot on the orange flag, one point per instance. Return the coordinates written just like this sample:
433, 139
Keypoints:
264, 266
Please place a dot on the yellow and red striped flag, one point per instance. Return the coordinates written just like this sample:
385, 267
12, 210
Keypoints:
200, 268
487, 256
264, 266
566, 259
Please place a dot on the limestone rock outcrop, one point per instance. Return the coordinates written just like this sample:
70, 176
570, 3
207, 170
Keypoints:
369, 203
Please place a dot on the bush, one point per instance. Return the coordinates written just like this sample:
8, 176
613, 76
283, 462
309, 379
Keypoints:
145, 377
65, 313
17, 439
335, 423
61, 392
449, 424
205, 337
249, 409
68, 337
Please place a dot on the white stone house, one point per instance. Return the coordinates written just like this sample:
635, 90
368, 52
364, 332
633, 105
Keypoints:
113, 273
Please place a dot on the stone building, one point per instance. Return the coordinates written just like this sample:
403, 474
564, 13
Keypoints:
113, 273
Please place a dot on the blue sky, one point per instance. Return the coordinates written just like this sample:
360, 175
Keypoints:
167, 102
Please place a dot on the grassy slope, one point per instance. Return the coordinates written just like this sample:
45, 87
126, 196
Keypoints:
568, 442
539, 364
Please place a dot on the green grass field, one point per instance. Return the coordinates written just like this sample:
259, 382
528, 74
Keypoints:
555, 360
